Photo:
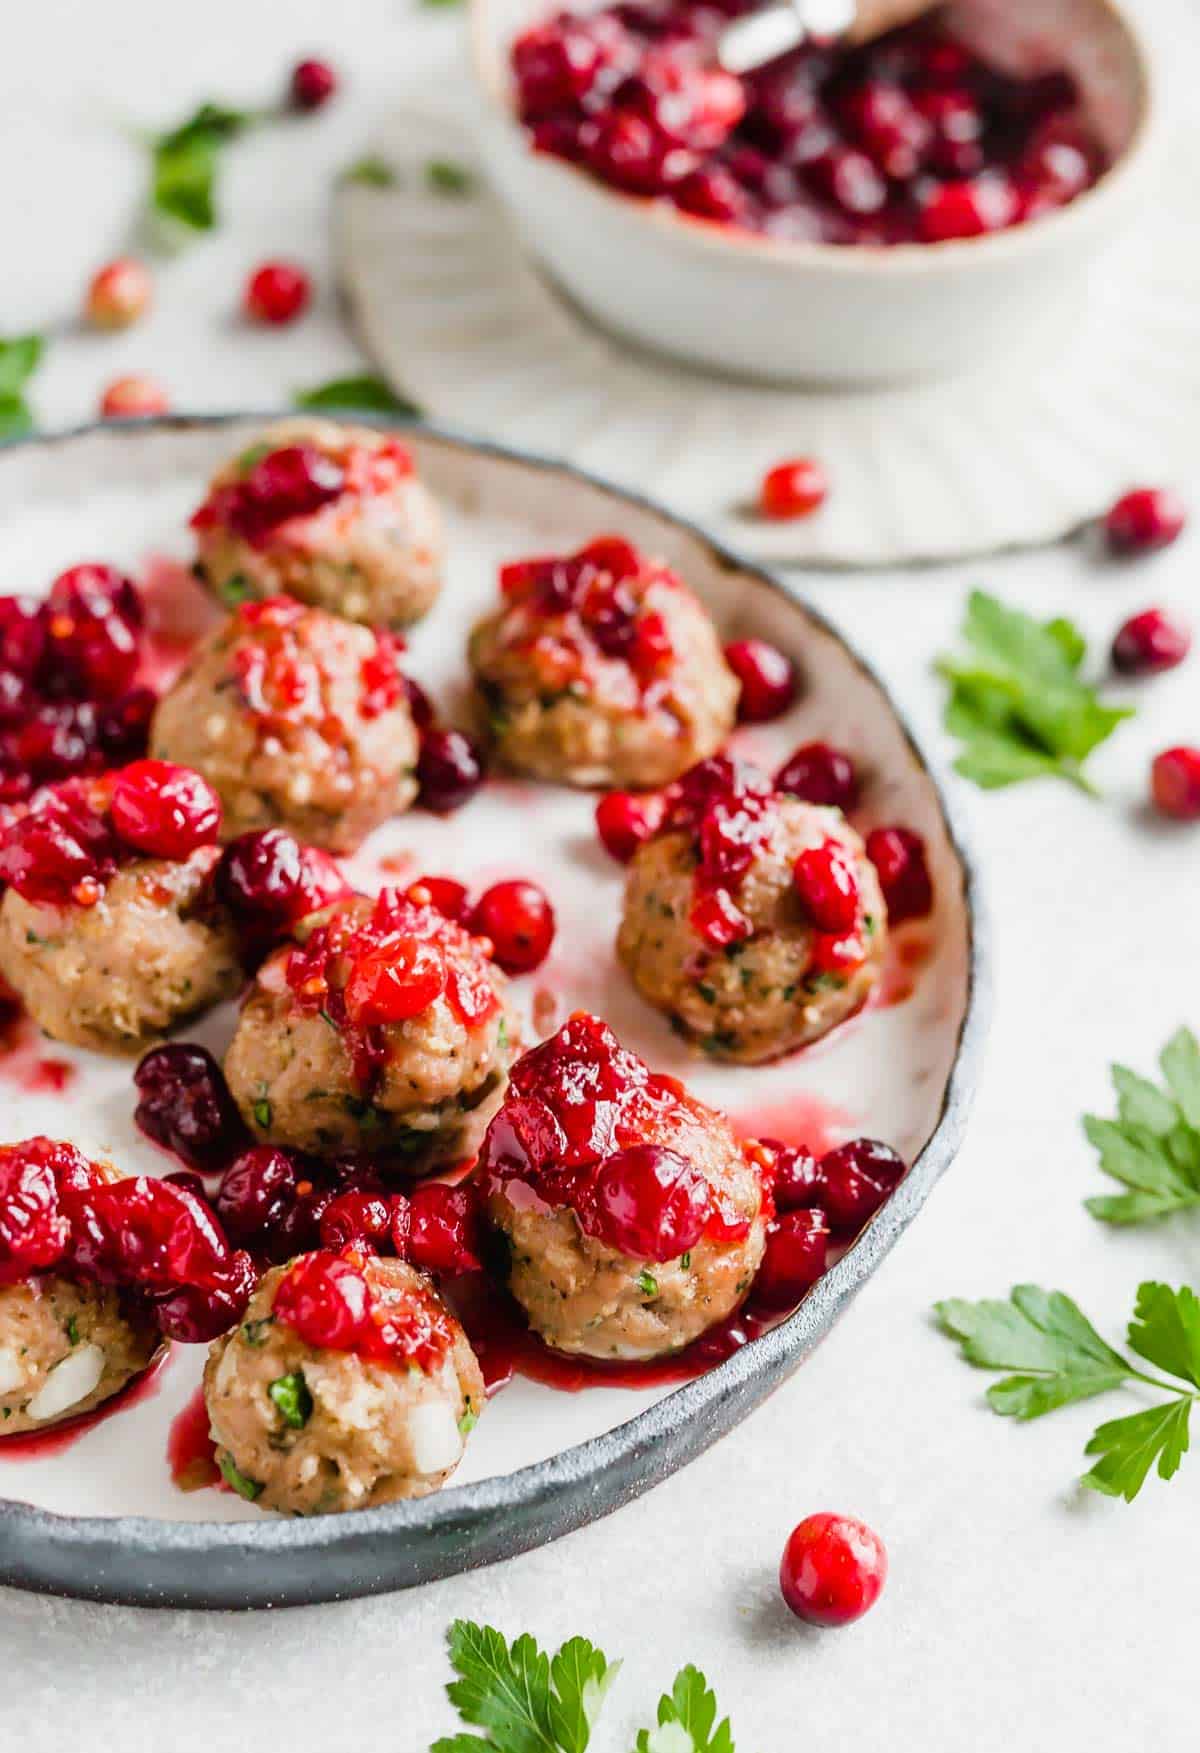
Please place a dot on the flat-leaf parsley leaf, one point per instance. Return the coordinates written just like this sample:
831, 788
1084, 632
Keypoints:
524, 1700
1152, 1147
360, 391
686, 1716
19, 359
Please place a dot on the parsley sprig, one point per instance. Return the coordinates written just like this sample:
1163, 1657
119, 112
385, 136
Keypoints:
1153, 1146
362, 390
686, 1718
1059, 1358
20, 357
1017, 702
185, 161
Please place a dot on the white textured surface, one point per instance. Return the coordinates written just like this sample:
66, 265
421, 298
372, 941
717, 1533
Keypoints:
1018, 1615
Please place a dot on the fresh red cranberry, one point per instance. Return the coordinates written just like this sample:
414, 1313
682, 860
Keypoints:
849, 179
361, 1219
856, 1178
1175, 783
124, 726
396, 979
1150, 642
443, 1232
519, 920
256, 1190
194, 1314
557, 64
119, 294
767, 676
712, 193
184, 1104
819, 773
324, 1299
133, 397
624, 819
833, 1570
793, 489
269, 882
312, 84
631, 152
955, 126
966, 209
163, 810
903, 870
827, 885
797, 1245
647, 1202
277, 293
449, 770
1144, 519
796, 1180
889, 127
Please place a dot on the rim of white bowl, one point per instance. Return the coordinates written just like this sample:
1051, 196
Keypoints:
906, 258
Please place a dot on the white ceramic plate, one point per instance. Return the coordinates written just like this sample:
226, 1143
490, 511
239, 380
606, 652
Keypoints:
124, 495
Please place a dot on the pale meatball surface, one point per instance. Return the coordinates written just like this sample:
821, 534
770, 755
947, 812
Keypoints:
298, 719
322, 1061
66, 1347
619, 1291
601, 669
309, 1429
332, 515
152, 950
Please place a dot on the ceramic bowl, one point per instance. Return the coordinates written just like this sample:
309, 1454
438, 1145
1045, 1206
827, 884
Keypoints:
782, 311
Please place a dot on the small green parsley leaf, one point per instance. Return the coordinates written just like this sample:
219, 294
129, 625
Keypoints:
525, 1701
468, 1421
184, 164
371, 172
292, 1398
1017, 703
262, 1113
1129, 1447
446, 177
647, 1283
73, 1330
255, 1332
235, 590
1153, 1146
236, 1479
19, 359
362, 391
685, 1720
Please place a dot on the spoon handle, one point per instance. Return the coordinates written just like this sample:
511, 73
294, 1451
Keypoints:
762, 36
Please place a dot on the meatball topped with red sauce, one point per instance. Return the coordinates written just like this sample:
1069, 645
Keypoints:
635, 1218
601, 668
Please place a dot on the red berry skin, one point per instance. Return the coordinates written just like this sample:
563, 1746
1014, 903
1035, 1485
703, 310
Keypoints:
277, 293
767, 676
1175, 783
449, 770
1144, 519
793, 489
519, 920
312, 84
163, 810
441, 1230
361, 1219
797, 1245
797, 1177
1149, 643
899, 859
624, 819
119, 294
648, 1203
833, 1570
827, 885
856, 1178
819, 773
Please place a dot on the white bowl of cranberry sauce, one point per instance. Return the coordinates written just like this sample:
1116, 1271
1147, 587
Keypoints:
844, 216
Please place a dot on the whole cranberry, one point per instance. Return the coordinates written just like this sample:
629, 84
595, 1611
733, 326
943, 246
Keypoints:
966, 209
793, 489
903, 870
819, 773
1175, 783
797, 1246
145, 1232
269, 882
442, 1230
93, 617
196, 1314
256, 1190
299, 1228
363, 1219
1144, 519
712, 193
889, 127
93, 588
22, 635
277, 293
647, 1202
189, 1181
624, 819
124, 726
797, 1178
133, 397
827, 884
184, 1104
449, 770
768, 679
518, 918
163, 810
119, 294
833, 1570
1150, 642
34, 1230
312, 84
325, 1300
856, 1178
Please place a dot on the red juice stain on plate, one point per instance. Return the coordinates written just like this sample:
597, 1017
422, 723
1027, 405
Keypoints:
65, 1434
179, 611
908, 951
805, 1121
191, 1452
22, 1061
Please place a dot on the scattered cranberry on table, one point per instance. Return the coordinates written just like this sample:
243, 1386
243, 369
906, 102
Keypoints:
768, 679
1175, 783
312, 84
119, 294
277, 293
793, 489
900, 863
1144, 519
833, 1570
133, 397
624, 819
819, 773
519, 920
1149, 643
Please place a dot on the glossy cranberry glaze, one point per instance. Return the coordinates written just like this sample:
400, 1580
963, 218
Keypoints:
1149, 643
331, 1303
164, 811
41, 1182
184, 1105
1175, 783
1144, 519
903, 871
833, 1570
270, 882
443, 1230
819, 773
795, 1176
625, 818
297, 481
855, 1180
519, 921
912, 138
767, 676
797, 1246
827, 886
574, 1129
360, 1220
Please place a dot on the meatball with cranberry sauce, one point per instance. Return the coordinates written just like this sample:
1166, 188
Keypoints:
347, 1384
753, 920
601, 668
298, 719
110, 931
635, 1218
332, 515
386, 1028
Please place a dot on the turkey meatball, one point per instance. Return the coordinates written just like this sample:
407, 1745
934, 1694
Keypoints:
297, 719
634, 1216
753, 920
332, 515
347, 1384
387, 1029
601, 669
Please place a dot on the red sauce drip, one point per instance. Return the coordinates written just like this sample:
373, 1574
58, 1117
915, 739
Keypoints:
191, 1452
907, 953
22, 1063
58, 1437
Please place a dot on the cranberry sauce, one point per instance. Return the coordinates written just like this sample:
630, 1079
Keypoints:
271, 488
282, 678
913, 138
331, 1301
